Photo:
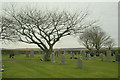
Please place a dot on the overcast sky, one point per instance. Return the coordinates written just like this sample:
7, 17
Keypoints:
106, 12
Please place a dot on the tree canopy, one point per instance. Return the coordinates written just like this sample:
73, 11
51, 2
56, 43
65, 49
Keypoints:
95, 37
43, 28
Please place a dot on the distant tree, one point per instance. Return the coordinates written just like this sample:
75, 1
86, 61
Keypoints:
110, 43
43, 28
86, 40
94, 37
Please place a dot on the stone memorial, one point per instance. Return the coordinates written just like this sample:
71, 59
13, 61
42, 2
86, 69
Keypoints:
83, 55
62, 59
72, 55
108, 56
64, 52
80, 63
88, 57
53, 58
31, 54
94, 57
101, 57
27, 54
43, 57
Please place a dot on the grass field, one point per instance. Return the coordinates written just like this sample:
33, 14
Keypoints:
41, 69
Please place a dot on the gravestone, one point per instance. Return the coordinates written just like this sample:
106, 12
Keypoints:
31, 54
94, 58
64, 52
101, 56
63, 59
43, 57
27, 54
59, 53
53, 58
80, 63
72, 55
108, 56
83, 55
88, 57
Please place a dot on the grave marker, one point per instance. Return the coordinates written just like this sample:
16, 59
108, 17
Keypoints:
53, 58
31, 54
43, 57
83, 55
27, 54
88, 57
63, 59
80, 63
72, 55
101, 57
94, 57
108, 56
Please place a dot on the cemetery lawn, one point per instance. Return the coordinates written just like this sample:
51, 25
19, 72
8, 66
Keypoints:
41, 69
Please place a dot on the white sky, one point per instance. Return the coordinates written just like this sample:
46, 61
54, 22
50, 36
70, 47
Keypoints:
106, 12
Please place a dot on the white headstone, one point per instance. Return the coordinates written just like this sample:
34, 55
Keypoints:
80, 63
94, 58
27, 54
31, 54
43, 57
88, 57
101, 56
53, 58
72, 55
94, 55
62, 59
83, 55
64, 52
108, 56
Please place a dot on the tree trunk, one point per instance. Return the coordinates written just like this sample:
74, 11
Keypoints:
47, 54
47, 57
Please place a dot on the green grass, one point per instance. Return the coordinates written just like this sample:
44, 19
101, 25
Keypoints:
41, 69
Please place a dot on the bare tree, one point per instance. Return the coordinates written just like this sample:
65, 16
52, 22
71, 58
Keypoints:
86, 40
110, 43
94, 37
43, 28
5, 30
99, 38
